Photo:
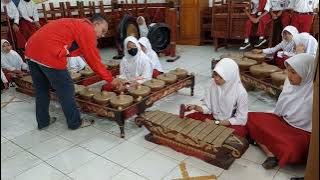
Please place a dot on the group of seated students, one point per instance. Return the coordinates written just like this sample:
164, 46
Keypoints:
298, 13
24, 20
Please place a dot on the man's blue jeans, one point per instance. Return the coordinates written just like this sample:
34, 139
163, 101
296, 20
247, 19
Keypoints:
43, 79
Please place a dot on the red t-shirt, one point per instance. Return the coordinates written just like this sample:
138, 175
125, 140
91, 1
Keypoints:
48, 46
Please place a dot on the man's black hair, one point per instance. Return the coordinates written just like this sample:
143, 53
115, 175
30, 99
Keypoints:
97, 17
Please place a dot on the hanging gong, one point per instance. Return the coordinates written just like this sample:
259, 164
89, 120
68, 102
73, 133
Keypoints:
128, 27
159, 36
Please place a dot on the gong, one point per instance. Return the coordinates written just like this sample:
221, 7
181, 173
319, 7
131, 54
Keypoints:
128, 27
159, 36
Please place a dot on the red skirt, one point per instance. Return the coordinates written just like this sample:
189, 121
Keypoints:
290, 145
238, 130
280, 62
27, 28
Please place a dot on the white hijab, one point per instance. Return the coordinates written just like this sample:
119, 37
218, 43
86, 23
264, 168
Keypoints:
224, 98
151, 54
138, 67
295, 102
76, 63
11, 61
289, 45
143, 28
309, 42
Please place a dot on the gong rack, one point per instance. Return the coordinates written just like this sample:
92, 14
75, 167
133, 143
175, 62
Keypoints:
137, 108
252, 83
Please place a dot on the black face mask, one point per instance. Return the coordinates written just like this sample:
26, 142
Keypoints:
27, 0
133, 51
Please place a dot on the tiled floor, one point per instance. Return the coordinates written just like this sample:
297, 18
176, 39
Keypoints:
97, 152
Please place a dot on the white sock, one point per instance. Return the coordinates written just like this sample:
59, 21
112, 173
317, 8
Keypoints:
246, 40
261, 37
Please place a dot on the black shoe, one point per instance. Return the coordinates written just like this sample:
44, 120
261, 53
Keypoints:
270, 163
297, 178
118, 57
245, 46
260, 42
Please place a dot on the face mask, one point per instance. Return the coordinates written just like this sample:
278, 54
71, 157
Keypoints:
133, 51
27, 0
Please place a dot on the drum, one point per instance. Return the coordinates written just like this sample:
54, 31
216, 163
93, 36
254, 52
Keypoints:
263, 70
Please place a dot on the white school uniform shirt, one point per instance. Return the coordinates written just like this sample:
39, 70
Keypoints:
12, 61
76, 63
276, 5
27, 10
254, 6
309, 42
286, 46
229, 101
304, 6
12, 11
295, 102
3, 77
135, 68
151, 54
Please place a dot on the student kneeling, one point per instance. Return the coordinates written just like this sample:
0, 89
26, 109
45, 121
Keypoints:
226, 102
285, 134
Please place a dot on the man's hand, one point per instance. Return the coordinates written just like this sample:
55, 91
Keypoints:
37, 24
15, 27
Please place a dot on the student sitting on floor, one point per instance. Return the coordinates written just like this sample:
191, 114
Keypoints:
305, 43
29, 22
258, 16
147, 49
11, 62
286, 45
226, 102
135, 67
285, 134
76, 63
143, 28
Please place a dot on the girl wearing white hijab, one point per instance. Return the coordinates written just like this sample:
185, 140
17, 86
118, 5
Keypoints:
11, 62
143, 28
226, 101
284, 135
135, 66
305, 43
286, 45
147, 49
76, 63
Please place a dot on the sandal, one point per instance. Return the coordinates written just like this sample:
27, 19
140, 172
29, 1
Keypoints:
86, 123
270, 163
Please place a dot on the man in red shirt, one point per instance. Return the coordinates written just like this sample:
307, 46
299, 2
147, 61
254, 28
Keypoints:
47, 51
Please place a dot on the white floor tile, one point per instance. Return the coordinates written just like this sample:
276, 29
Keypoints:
17, 130
170, 153
204, 166
17, 164
9, 149
58, 128
81, 134
96, 169
254, 154
71, 159
153, 165
43, 171
140, 140
3, 140
192, 172
244, 169
32, 138
127, 175
294, 170
101, 142
282, 176
125, 153
50, 148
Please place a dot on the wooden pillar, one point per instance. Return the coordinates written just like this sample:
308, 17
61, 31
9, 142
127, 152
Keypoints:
312, 171
171, 20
